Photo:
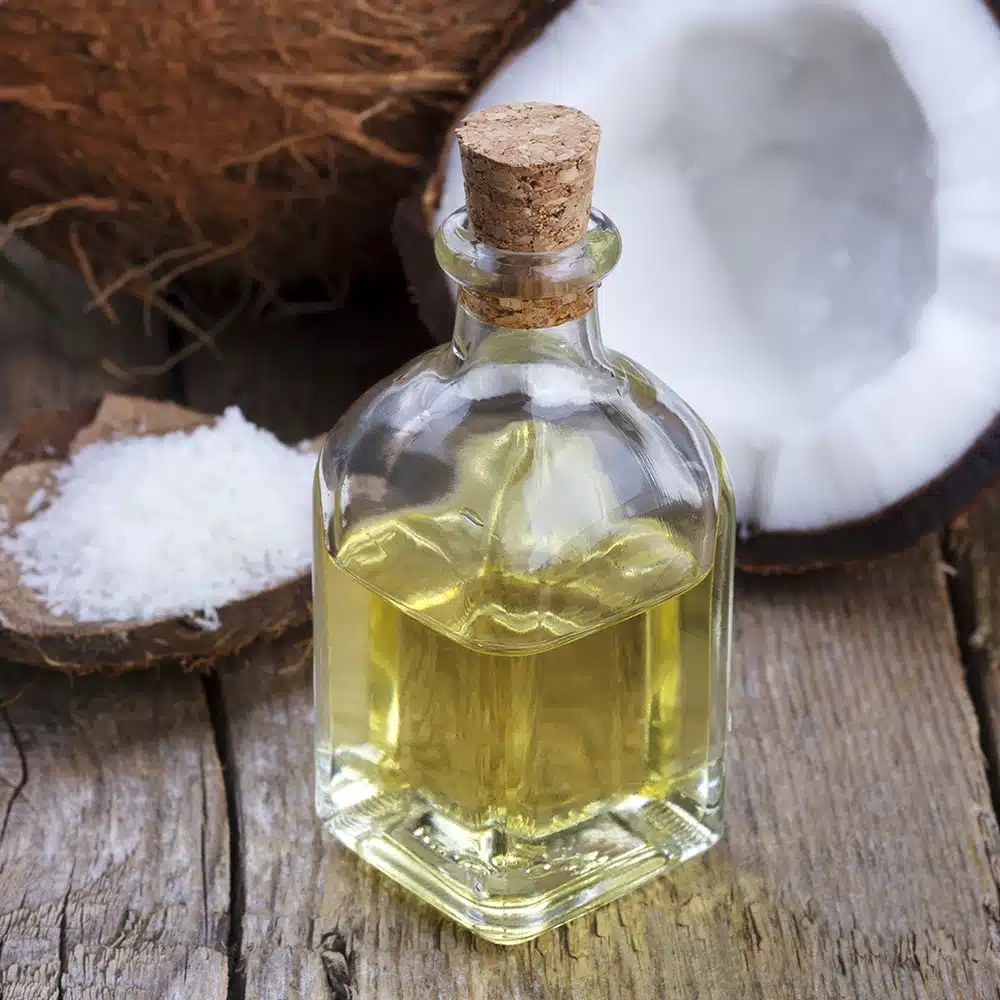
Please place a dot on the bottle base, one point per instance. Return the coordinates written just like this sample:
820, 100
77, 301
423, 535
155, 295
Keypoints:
506, 889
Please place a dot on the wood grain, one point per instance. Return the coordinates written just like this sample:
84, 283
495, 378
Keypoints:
861, 861
114, 875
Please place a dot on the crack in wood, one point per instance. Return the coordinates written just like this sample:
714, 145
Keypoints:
562, 934
962, 598
203, 859
219, 720
337, 957
63, 944
22, 780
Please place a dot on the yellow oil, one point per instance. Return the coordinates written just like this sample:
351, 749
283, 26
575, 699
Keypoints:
516, 747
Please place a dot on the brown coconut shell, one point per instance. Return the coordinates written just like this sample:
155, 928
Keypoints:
920, 514
29, 633
259, 140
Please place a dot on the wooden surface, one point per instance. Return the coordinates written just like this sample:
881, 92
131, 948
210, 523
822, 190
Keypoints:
157, 836
114, 862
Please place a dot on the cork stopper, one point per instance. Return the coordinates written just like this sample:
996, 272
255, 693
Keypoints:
529, 177
529, 174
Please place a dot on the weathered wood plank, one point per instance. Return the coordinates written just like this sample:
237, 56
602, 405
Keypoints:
114, 877
976, 552
861, 859
114, 844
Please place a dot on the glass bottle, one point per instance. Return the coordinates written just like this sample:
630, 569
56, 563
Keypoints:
523, 576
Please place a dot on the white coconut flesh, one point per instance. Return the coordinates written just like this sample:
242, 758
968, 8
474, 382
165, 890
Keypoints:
809, 200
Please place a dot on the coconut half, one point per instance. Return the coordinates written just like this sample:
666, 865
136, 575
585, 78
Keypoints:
809, 198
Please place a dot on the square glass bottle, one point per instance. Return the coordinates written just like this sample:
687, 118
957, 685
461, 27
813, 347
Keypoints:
523, 575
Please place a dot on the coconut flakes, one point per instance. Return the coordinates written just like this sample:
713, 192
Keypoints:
143, 528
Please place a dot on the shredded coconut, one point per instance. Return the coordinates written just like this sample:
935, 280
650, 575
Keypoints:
153, 527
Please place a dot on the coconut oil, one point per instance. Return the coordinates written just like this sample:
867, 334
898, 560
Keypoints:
505, 743
522, 594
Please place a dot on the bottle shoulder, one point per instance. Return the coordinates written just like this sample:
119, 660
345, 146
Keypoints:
410, 427
546, 476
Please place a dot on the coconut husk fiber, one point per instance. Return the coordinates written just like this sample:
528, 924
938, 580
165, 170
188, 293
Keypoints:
30, 633
263, 139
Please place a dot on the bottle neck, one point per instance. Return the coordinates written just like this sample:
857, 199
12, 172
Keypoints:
577, 339
510, 301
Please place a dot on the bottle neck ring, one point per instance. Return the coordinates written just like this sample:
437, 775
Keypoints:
527, 290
